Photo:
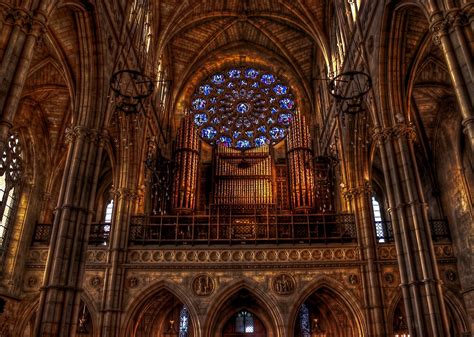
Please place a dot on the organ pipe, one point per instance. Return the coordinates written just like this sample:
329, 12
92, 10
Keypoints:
300, 165
187, 160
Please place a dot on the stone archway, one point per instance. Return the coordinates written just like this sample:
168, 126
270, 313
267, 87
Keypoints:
161, 314
324, 312
228, 318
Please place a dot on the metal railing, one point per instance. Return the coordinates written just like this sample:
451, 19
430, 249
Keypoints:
238, 228
99, 234
439, 231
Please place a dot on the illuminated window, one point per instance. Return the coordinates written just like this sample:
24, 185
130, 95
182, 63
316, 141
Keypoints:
244, 322
11, 169
183, 322
379, 226
108, 211
305, 327
243, 108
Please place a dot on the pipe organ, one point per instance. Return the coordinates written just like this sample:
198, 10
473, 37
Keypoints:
186, 161
300, 165
243, 178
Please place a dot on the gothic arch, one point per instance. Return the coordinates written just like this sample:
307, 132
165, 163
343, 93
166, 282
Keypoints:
339, 292
143, 301
227, 304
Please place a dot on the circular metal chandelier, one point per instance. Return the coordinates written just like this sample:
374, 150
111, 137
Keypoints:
243, 108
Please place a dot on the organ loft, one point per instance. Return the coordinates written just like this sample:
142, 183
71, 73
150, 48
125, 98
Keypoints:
236, 168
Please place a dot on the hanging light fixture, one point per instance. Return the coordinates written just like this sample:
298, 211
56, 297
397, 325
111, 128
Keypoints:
172, 329
401, 328
349, 89
316, 330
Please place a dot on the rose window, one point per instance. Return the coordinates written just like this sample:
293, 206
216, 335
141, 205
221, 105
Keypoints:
243, 108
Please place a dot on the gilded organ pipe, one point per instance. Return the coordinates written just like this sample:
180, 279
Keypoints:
187, 160
300, 165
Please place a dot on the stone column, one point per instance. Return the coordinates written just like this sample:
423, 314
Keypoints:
420, 282
24, 32
361, 196
60, 295
449, 34
129, 165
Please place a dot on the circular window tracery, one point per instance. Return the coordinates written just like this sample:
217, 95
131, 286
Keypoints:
243, 108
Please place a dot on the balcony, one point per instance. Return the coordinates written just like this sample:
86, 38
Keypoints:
242, 229
439, 231
98, 236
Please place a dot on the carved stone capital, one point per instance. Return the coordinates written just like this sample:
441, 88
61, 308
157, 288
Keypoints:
126, 193
439, 27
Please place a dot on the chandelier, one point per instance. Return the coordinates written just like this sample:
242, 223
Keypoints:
243, 108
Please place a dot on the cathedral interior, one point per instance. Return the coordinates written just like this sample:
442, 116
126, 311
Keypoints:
236, 168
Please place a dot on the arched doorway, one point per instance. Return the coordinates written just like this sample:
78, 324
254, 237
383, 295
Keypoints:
161, 315
325, 314
244, 324
242, 314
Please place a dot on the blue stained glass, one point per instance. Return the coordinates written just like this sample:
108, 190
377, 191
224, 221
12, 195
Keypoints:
266, 91
285, 119
218, 79
304, 321
242, 108
220, 91
243, 144
208, 132
216, 120
243, 92
199, 104
213, 100
260, 141
243, 82
286, 103
268, 79
234, 73
274, 110
272, 99
237, 134
205, 89
255, 85
183, 322
230, 85
277, 133
251, 73
270, 121
262, 129
280, 89
249, 134
200, 119
224, 140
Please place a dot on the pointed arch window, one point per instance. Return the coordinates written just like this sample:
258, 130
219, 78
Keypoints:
380, 229
183, 322
108, 211
244, 322
11, 169
305, 327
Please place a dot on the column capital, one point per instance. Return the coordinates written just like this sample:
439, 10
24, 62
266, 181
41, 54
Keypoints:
439, 27
126, 193
83, 132
382, 135
358, 191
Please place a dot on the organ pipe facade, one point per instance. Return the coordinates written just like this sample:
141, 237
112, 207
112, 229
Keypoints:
186, 161
300, 165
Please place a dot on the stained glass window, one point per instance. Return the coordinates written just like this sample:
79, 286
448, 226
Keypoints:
379, 228
244, 322
243, 108
183, 322
305, 327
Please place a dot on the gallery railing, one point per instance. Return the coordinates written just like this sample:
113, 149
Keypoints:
439, 231
237, 229
99, 234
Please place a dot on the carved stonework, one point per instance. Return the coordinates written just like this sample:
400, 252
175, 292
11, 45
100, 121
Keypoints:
451, 275
389, 278
284, 284
133, 282
95, 282
203, 285
353, 279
